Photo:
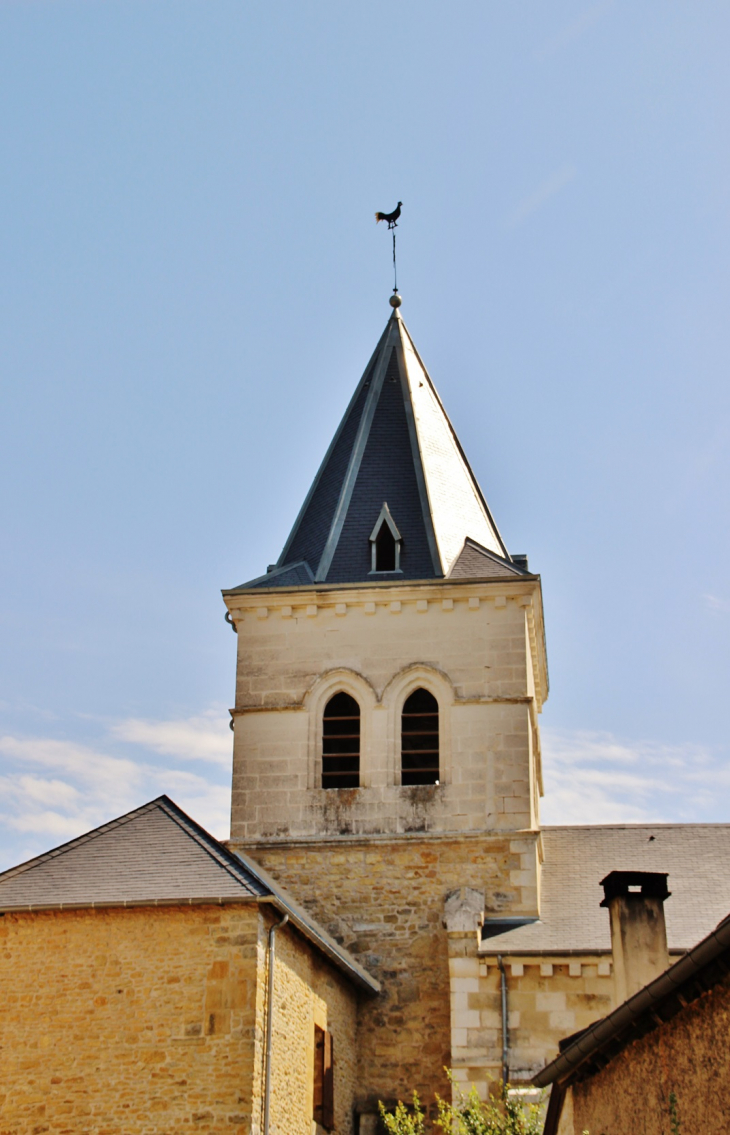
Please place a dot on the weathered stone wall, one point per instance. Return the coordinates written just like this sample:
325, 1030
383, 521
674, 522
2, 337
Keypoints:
384, 900
143, 1020
690, 1056
309, 992
477, 647
548, 998
128, 1021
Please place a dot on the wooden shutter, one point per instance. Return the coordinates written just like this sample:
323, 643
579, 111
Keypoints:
318, 1085
328, 1086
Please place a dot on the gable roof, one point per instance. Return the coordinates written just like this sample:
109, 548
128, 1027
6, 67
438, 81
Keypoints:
157, 855
695, 856
395, 444
153, 855
476, 562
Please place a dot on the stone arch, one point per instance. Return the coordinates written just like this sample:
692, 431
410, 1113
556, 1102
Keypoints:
325, 687
398, 689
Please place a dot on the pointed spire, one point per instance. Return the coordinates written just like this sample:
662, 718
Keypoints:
394, 449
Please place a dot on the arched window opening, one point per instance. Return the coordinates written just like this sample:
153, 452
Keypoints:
385, 543
341, 743
420, 739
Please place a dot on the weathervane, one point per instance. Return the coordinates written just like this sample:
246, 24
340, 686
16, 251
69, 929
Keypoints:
392, 222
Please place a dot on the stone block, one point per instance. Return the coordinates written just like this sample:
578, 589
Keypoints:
464, 910
550, 1002
464, 967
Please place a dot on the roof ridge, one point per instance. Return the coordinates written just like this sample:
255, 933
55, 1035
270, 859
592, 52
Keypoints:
354, 463
218, 852
631, 824
458, 444
282, 562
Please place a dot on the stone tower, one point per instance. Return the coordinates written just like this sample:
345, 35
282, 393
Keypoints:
391, 667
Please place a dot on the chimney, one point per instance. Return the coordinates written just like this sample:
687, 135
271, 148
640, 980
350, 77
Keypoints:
635, 901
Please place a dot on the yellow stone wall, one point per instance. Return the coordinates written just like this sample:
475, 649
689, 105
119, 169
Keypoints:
384, 900
144, 1020
478, 647
309, 992
689, 1055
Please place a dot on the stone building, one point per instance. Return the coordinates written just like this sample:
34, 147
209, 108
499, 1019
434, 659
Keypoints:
660, 1061
391, 669
135, 998
387, 768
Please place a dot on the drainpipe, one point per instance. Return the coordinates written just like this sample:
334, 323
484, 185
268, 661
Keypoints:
269, 1021
505, 1035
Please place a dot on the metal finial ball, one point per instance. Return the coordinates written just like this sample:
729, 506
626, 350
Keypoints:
395, 300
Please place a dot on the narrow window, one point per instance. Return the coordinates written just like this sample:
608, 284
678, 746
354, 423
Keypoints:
341, 743
385, 549
323, 1096
420, 739
385, 543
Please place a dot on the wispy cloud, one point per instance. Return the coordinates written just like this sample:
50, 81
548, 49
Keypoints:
206, 737
715, 603
52, 790
574, 30
597, 778
535, 200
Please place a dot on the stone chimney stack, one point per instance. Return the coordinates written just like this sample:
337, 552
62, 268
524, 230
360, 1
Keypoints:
635, 901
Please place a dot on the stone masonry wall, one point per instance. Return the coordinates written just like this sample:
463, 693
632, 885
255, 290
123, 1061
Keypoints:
690, 1056
384, 900
308, 992
150, 1020
476, 647
548, 997
128, 1021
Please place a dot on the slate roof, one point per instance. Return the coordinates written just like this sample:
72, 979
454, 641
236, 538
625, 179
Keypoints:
475, 562
158, 856
696, 857
585, 1053
394, 445
153, 855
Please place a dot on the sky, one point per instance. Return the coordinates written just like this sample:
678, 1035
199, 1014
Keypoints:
193, 282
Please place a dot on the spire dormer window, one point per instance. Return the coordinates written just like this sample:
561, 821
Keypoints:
385, 543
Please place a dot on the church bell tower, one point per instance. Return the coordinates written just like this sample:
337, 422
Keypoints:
391, 667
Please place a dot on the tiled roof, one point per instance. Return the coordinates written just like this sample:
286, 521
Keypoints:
696, 857
395, 445
155, 854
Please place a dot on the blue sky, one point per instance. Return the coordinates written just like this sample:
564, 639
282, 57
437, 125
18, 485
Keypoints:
193, 282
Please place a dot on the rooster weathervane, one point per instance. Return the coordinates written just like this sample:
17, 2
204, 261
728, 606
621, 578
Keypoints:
391, 220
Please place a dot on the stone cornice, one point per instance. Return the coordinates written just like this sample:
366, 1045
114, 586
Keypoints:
381, 599
502, 835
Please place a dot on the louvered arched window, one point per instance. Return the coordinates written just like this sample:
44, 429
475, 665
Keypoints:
341, 743
420, 739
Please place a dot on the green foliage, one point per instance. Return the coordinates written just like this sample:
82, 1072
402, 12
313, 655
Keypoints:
674, 1123
404, 1120
501, 1114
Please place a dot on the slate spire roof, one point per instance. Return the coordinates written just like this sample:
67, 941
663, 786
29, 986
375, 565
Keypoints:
395, 446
